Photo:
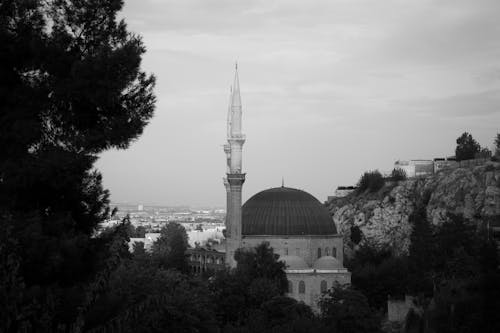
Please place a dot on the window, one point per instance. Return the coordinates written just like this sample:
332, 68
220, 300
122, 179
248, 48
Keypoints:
327, 251
323, 286
334, 252
302, 287
286, 251
290, 287
319, 252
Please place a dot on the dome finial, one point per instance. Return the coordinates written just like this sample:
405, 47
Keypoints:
282, 181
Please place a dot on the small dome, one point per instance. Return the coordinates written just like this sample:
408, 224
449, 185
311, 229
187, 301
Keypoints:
285, 211
327, 263
294, 262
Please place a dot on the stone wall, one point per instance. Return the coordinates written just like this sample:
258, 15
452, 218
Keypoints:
397, 310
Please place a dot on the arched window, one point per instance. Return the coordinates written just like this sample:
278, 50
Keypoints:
290, 287
302, 287
323, 286
334, 252
327, 251
319, 252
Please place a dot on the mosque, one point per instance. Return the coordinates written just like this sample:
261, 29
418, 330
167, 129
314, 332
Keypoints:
295, 224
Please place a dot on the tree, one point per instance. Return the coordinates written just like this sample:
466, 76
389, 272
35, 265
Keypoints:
421, 253
497, 145
356, 234
261, 263
257, 278
398, 174
137, 232
151, 299
284, 314
377, 274
346, 310
467, 147
169, 250
71, 88
371, 181
484, 153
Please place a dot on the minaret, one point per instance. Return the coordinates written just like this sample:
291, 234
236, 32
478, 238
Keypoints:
235, 178
227, 151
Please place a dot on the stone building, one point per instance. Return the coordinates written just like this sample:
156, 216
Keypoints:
295, 224
415, 168
205, 260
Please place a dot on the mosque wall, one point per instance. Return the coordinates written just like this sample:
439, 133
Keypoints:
308, 287
307, 247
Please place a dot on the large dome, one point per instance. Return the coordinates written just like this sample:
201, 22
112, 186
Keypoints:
285, 211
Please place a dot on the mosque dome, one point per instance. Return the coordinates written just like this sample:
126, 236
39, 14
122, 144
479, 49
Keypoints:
327, 263
285, 211
293, 262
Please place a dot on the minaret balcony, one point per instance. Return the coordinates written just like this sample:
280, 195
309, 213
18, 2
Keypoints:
238, 137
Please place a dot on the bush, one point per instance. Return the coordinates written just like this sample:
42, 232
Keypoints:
398, 174
346, 310
483, 153
371, 181
356, 234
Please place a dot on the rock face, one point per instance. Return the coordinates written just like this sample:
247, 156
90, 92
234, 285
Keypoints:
383, 217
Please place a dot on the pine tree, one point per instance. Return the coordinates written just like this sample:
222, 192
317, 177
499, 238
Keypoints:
169, 251
421, 253
71, 87
467, 147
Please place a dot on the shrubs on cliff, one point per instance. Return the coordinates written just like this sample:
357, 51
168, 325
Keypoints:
497, 146
398, 174
371, 181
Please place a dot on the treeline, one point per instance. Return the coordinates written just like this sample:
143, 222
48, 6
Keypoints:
153, 292
452, 270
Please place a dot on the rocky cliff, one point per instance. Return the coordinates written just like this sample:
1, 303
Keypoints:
383, 217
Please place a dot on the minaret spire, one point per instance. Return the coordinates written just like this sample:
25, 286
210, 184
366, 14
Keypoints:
236, 106
229, 113
235, 178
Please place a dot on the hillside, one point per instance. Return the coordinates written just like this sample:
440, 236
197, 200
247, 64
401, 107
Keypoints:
383, 217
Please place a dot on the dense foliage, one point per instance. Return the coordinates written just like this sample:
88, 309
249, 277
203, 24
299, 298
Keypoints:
71, 86
371, 181
145, 297
169, 250
258, 277
453, 264
377, 274
467, 147
346, 310
398, 174
497, 145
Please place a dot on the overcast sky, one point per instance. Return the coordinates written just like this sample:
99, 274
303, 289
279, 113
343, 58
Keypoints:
330, 89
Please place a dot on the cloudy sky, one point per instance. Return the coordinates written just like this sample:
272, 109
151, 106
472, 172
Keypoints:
330, 89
